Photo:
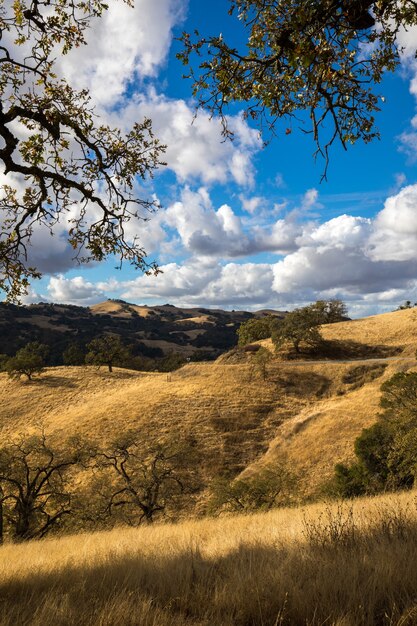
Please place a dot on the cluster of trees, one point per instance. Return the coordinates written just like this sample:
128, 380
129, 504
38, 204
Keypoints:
130, 480
387, 451
299, 327
106, 350
48, 485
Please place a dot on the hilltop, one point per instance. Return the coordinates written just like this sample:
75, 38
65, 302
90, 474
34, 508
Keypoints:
309, 412
150, 331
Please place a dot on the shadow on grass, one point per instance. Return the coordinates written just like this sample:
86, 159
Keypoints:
335, 350
369, 580
302, 384
51, 381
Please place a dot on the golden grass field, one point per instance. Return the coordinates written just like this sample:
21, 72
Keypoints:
353, 564
334, 565
304, 412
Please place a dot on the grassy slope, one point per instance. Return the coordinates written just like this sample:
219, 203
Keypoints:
238, 419
346, 567
349, 565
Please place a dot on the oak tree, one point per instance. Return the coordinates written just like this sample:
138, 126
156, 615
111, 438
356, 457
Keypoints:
28, 361
62, 165
35, 484
308, 62
107, 350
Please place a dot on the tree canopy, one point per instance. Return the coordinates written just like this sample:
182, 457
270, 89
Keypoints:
387, 451
63, 165
309, 62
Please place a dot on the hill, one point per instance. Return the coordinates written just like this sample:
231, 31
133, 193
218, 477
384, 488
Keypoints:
150, 331
307, 412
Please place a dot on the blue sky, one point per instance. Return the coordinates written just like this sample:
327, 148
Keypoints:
242, 226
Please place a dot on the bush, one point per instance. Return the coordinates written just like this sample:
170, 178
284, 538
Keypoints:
270, 487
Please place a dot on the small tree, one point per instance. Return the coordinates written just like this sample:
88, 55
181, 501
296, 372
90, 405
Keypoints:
260, 361
299, 326
35, 491
147, 477
270, 487
28, 361
107, 350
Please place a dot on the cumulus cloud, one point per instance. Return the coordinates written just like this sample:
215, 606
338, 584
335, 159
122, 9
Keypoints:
407, 40
126, 43
195, 147
199, 281
370, 263
74, 291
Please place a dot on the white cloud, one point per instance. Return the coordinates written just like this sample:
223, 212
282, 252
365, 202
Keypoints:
196, 150
74, 291
126, 43
199, 281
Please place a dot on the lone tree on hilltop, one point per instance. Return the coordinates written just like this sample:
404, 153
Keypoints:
107, 350
304, 61
27, 361
61, 164
329, 311
35, 492
297, 327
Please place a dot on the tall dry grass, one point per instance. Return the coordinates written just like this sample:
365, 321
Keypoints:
343, 565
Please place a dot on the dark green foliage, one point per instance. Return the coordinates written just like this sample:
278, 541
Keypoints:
407, 305
170, 362
387, 451
256, 329
298, 327
260, 360
107, 350
329, 311
28, 361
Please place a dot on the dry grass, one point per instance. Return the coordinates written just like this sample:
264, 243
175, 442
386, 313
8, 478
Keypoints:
336, 565
305, 411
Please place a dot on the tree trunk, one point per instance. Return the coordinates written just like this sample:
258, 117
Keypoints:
110, 366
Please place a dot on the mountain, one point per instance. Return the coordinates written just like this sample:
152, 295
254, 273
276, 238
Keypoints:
152, 332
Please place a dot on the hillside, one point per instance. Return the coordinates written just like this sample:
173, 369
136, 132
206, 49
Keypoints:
149, 331
309, 412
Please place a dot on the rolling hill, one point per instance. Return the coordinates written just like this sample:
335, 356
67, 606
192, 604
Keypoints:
308, 412
149, 331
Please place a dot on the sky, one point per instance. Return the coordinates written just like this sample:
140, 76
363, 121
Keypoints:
241, 226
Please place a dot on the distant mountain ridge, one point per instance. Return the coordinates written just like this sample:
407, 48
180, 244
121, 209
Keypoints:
150, 331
